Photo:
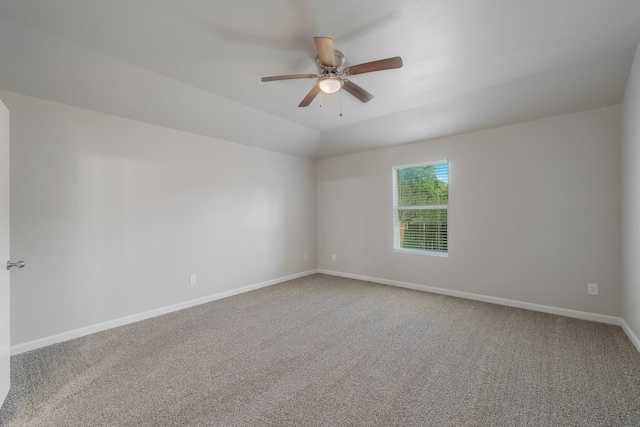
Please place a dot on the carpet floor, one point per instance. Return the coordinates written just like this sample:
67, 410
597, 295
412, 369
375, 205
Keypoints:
330, 351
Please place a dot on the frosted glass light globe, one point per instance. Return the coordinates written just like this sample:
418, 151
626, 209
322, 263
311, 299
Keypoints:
330, 85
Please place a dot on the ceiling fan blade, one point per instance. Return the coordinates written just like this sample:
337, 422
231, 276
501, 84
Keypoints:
381, 64
324, 45
310, 96
357, 91
289, 77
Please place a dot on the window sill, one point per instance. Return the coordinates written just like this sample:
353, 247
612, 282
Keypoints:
419, 252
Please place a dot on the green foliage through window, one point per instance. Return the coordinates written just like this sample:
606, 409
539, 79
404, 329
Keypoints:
422, 200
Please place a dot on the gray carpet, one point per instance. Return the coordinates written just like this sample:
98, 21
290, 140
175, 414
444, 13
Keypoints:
328, 351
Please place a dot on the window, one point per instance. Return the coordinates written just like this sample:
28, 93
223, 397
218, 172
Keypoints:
420, 208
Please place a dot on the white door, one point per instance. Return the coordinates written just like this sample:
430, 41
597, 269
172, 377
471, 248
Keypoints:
4, 253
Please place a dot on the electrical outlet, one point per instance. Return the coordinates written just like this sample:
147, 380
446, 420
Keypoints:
592, 288
193, 279
333, 257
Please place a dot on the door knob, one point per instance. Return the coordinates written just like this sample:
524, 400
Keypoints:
19, 264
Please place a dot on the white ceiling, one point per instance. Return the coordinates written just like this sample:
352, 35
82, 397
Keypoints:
195, 65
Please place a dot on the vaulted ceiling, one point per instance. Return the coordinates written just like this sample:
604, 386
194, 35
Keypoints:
195, 65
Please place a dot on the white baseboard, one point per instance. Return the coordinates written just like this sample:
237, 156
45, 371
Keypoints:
612, 320
632, 336
80, 332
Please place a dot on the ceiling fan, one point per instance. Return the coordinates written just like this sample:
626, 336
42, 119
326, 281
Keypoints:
332, 76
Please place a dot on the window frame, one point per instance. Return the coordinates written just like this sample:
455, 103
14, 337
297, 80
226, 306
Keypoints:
396, 208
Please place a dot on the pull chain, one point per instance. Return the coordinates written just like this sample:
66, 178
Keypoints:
340, 102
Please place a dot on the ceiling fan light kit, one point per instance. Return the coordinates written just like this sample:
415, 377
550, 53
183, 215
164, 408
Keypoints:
331, 73
330, 84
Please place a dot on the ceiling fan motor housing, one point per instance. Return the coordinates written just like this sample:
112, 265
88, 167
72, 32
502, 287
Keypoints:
339, 61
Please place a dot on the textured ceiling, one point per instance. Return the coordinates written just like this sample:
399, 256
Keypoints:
195, 65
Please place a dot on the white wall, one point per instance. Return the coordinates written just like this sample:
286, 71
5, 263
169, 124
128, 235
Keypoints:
534, 213
113, 215
631, 201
